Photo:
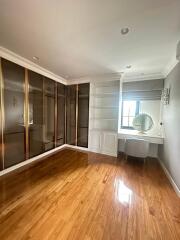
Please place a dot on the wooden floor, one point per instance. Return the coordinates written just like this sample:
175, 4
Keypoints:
75, 195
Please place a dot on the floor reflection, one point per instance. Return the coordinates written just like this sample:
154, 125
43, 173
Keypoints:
122, 193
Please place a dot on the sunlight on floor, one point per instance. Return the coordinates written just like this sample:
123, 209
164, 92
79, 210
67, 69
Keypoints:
122, 193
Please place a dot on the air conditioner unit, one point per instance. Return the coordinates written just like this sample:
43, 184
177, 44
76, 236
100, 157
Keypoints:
178, 51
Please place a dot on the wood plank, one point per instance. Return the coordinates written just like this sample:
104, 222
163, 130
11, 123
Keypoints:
82, 195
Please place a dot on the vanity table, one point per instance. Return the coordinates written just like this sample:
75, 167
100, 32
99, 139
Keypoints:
153, 139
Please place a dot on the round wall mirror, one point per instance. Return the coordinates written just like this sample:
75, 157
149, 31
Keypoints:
143, 122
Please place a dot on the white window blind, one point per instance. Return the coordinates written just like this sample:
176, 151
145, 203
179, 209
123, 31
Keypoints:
143, 90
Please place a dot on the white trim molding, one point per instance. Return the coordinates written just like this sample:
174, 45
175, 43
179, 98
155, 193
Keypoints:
95, 78
170, 66
76, 147
26, 162
41, 157
144, 77
11, 56
168, 175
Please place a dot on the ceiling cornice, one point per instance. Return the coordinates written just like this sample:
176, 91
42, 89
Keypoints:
11, 56
143, 77
95, 78
170, 66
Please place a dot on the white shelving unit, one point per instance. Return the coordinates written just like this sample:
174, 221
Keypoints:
103, 117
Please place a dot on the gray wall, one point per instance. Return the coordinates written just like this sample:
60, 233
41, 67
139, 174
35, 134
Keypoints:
169, 153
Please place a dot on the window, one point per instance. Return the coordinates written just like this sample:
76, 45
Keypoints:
129, 110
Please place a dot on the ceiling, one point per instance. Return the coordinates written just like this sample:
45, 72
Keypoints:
77, 38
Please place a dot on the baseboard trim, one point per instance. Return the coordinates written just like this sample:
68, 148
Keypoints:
31, 160
88, 150
76, 147
168, 175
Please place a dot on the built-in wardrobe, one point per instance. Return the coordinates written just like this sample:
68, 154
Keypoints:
38, 114
78, 114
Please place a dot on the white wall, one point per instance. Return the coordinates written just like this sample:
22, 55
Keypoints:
169, 153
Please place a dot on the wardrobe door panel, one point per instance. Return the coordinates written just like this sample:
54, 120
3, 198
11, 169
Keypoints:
49, 114
14, 131
36, 145
1, 146
60, 114
83, 114
71, 115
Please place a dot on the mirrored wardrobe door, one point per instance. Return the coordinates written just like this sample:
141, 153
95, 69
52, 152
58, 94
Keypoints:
61, 97
49, 114
1, 124
83, 115
14, 130
36, 143
71, 115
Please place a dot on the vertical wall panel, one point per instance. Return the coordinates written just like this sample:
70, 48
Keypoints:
14, 131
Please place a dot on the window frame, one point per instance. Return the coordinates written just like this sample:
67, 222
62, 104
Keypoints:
136, 113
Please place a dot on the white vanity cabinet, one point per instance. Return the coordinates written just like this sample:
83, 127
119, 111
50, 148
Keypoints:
104, 142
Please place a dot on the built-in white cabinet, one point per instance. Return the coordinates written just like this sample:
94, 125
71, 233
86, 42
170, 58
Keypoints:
95, 143
103, 117
109, 143
104, 142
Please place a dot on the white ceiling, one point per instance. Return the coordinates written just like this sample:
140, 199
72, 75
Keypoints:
76, 38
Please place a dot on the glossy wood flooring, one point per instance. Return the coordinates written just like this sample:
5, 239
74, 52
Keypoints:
83, 196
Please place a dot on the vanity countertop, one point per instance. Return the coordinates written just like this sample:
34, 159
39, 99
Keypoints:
151, 137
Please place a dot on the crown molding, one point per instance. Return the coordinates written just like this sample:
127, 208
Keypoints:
95, 78
11, 56
79, 80
134, 78
170, 66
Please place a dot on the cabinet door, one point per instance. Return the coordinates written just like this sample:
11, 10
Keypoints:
60, 114
109, 143
49, 114
83, 115
95, 141
71, 115
36, 145
1, 150
14, 131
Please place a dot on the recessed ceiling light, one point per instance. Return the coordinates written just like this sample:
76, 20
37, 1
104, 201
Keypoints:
35, 58
124, 31
129, 66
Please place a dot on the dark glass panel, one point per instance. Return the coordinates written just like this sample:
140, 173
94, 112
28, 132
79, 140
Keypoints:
60, 114
14, 131
1, 159
49, 114
36, 145
83, 114
71, 114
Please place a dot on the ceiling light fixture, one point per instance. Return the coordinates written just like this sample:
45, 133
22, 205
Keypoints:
124, 31
129, 66
35, 58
